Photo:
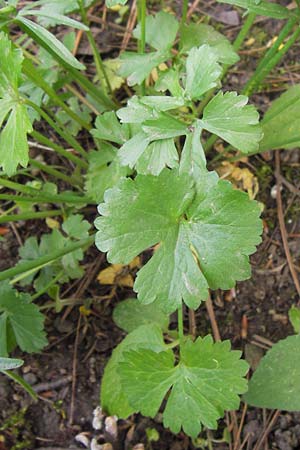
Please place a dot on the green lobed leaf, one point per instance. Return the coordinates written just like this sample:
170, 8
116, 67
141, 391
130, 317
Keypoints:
206, 232
157, 156
14, 118
206, 382
276, 382
24, 318
168, 80
76, 227
197, 34
229, 116
10, 363
262, 7
130, 314
109, 128
281, 122
13, 139
68, 266
202, 71
136, 67
104, 171
113, 398
161, 30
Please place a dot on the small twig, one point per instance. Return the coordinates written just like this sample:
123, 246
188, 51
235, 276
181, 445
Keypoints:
192, 323
74, 372
267, 430
129, 27
238, 436
48, 386
212, 318
244, 441
282, 224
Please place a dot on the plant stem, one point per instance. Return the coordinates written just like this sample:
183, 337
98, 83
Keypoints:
14, 376
29, 215
46, 259
55, 173
184, 11
97, 57
272, 57
45, 288
93, 90
244, 31
38, 196
64, 134
30, 71
180, 323
58, 149
142, 40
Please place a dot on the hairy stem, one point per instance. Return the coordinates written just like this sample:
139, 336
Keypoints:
63, 133
29, 215
30, 71
57, 148
265, 65
44, 260
55, 173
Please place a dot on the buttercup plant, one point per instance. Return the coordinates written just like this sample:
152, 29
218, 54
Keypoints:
147, 171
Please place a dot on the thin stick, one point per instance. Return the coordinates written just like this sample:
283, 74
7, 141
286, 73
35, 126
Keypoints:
192, 323
282, 224
267, 430
238, 436
212, 318
74, 372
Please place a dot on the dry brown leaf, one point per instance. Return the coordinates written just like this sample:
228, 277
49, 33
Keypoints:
118, 274
241, 178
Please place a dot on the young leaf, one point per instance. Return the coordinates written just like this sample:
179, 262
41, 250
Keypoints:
136, 67
157, 156
202, 71
109, 128
164, 127
130, 314
275, 383
113, 398
24, 318
205, 237
104, 171
206, 382
76, 227
68, 266
13, 137
196, 34
161, 30
10, 363
281, 122
229, 116
136, 111
263, 8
